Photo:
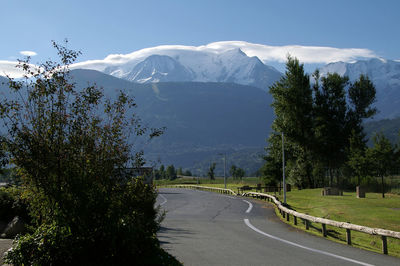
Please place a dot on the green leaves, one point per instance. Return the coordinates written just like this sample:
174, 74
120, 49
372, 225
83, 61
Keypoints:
237, 172
211, 173
72, 146
317, 122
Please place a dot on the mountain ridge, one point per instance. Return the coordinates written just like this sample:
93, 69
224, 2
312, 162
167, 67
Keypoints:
202, 119
229, 66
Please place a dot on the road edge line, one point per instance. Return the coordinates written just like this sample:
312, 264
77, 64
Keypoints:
247, 222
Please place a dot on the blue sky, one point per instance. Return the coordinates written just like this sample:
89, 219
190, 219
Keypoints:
100, 28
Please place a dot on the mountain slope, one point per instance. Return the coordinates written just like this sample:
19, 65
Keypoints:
202, 119
389, 127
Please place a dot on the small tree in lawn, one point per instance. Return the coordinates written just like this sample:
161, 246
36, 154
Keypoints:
236, 172
232, 171
71, 147
179, 171
161, 172
381, 158
210, 172
240, 173
170, 173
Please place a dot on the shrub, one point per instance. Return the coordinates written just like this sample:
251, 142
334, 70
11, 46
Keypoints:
72, 150
12, 204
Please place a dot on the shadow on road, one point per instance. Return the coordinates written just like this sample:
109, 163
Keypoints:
172, 233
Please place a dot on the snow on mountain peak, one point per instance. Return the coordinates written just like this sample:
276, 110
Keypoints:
266, 53
202, 64
218, 61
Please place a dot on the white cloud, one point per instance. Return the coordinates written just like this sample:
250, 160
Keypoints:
28, 53
266, 53
9, 68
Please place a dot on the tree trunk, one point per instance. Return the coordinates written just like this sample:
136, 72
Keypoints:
309, 176
383, 187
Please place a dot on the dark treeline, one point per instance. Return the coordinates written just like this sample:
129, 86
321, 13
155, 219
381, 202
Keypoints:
170, 173
325, 143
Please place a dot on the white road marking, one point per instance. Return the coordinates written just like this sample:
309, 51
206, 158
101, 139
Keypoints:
247, 222
165, 199
250, 206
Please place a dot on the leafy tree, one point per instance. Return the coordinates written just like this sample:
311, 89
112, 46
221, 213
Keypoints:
271, 171
187, 173
4, 160
293, 106
240, 173
71, 148
357, 157
170, 173
317, 122
382, 158
161, 172
232, 171
362, 95
179, 171
330, 121
236, 172
210, 172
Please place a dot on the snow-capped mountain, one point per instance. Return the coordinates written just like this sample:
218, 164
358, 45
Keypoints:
385, 74
200, 66
156, 68
226, 61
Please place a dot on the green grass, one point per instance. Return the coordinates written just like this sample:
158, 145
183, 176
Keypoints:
218, 182
372, 211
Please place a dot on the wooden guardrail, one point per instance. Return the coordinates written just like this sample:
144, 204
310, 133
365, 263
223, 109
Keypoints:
286, 212
213, 189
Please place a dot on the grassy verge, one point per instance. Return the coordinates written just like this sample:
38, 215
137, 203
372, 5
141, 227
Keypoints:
218, 182
372, 211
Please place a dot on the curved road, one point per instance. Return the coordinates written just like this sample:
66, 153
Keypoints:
205, 228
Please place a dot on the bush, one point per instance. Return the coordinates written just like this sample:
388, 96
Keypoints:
125, 236
72, 151
6, 204
12, 204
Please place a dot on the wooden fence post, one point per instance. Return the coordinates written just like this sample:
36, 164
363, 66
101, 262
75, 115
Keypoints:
295, 220
307, 224
324, 230
384, 245
287, 217
348, 236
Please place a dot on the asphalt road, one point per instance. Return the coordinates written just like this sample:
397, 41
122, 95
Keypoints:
205, 228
